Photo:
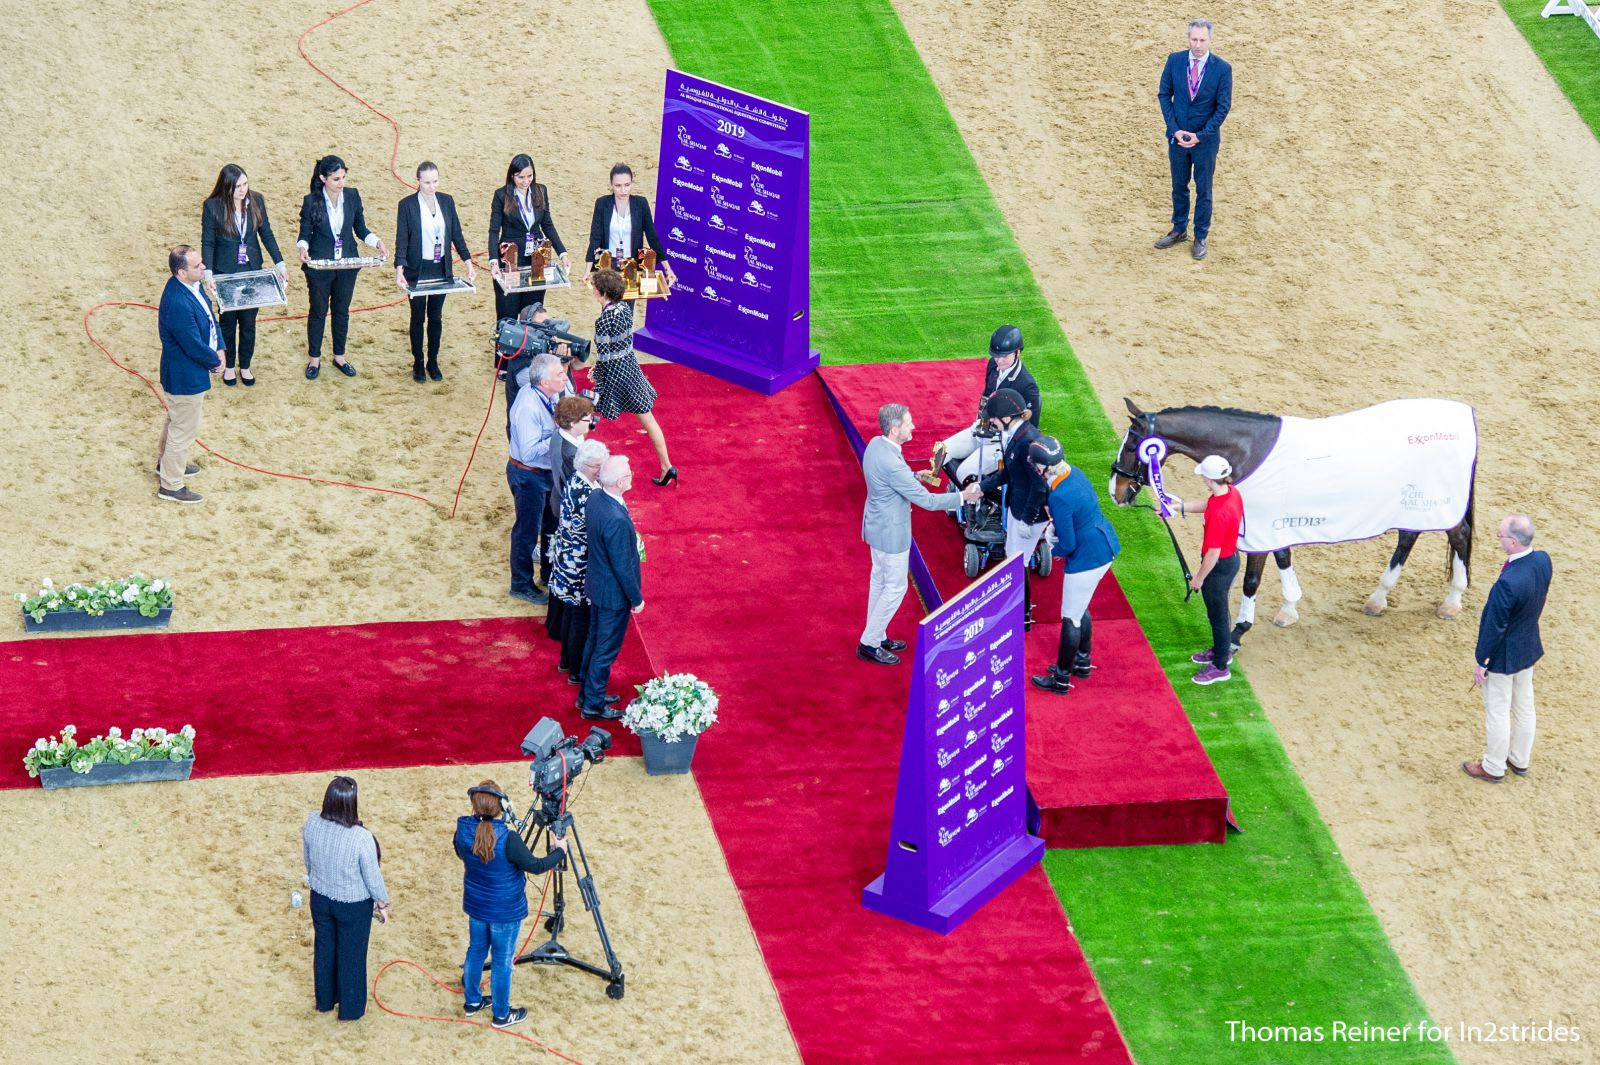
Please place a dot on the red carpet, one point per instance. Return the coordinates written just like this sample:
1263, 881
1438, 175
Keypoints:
756, 582
297, 700
1116, 762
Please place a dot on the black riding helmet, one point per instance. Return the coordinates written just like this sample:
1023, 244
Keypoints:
1006, 339
1046, 451
1005, 403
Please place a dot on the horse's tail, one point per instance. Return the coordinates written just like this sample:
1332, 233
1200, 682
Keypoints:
1460, 538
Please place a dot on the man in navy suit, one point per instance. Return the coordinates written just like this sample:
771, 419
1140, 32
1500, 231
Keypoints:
1508, 646
191, 353
613, 585
1196, 93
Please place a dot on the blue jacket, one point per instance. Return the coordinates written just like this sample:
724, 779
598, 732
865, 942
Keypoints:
1508, 631
186, 352
1203, 115
493, 891
613, 581
1085, 540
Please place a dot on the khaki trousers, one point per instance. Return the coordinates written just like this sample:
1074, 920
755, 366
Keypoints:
177, 436
1508, 719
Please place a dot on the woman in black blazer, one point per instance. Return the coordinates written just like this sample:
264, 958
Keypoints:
233, 230
330, 218
622, 225
520, 215
427, 229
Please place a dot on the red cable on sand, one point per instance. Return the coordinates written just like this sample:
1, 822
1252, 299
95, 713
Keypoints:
300, 46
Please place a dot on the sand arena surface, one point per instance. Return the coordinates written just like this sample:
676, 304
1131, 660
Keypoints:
1396, 215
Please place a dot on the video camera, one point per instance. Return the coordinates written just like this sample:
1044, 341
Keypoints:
527, 339
558, 759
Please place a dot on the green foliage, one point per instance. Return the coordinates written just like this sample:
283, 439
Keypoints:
145, 743
1569, 50
137, 590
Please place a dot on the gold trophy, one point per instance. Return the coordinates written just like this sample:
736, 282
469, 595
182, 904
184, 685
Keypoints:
537, 262
602, 261
508, 257
651, 283
930, 476
630, 278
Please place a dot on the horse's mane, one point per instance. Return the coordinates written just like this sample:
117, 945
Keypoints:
1230, 411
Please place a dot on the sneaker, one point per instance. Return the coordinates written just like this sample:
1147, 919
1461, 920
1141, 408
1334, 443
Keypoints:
516, 1016
531, 596
1201, 658
191, 470
181, 495
470, 1008
1210, 675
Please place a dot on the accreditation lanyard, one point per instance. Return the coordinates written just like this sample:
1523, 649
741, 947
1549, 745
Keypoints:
527, 222
438, 233
336, 224
238, 224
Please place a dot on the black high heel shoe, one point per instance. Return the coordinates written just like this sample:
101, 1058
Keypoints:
670, 477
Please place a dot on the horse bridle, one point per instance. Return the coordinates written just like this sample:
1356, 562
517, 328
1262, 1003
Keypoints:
1140, 476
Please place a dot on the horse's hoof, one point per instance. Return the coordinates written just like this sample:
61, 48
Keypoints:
1373, 607
1448, 612
1283, 619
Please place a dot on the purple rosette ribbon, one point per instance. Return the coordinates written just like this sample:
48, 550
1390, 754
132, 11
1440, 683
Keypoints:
1153, 451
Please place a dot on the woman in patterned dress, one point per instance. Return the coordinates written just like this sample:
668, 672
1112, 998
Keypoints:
571, 551
619, 383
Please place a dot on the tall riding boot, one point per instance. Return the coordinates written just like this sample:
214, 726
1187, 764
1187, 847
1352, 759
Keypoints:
1080, 661
1055, 678
1027, 602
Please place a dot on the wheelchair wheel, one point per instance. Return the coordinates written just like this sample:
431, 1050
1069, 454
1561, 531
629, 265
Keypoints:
972, 560
1042, 558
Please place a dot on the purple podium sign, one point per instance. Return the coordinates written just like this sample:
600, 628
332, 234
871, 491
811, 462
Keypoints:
958, 836
733, 208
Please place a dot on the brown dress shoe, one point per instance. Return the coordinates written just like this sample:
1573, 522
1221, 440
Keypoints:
1476, 771
1177, 236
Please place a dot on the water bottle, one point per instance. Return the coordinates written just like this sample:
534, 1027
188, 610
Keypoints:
294, 900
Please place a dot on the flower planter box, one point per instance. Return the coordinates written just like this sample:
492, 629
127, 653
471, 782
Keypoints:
126, 617
117, 773
662, 758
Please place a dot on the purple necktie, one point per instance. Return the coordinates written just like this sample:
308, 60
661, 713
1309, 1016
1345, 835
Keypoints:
1194, 76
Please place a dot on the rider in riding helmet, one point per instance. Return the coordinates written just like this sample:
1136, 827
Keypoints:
1086, 545
1026, 491
1004, 370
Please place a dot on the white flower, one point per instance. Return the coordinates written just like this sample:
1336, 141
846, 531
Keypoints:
129, 594
114, 732
138, 734
157, 585
48, 583
69, 730
187, 732
40, 745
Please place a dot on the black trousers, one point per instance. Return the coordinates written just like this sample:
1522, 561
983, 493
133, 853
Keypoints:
574, 635
330, 290
431, 309
1214, 593
339, 956
239, 336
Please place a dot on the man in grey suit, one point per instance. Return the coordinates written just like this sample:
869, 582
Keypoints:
886, 527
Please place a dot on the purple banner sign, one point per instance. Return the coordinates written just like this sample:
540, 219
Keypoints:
958, 836
733, 208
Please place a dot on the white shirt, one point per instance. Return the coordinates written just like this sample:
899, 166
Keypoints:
336, 222
432, 229
1524, 553
1199, 67
621, 231
617, 496
215, 342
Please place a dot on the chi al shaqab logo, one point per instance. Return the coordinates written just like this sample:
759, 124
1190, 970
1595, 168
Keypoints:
686, 140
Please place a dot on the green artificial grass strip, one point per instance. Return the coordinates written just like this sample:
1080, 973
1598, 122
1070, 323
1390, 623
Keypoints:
1268, 930
1569, 50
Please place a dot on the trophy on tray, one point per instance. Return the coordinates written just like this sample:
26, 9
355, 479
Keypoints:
542, 270
640, 278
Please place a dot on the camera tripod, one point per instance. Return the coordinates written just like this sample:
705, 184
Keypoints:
551, 952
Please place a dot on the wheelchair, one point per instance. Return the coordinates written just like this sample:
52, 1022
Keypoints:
983, 524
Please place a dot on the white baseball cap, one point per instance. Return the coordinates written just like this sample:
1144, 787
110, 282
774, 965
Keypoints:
1214, 467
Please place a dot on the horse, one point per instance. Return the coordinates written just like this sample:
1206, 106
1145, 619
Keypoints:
1389, 443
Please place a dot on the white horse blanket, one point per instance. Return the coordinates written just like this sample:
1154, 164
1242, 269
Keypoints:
1406, 464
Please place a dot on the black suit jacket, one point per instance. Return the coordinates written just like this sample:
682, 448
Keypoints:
613, 580
644, 228
1508, 633
409, 253
314, 224
1027, 495
505, 227
219, 245
1023, 383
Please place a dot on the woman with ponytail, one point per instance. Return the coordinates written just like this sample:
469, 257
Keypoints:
330, 219
495, 898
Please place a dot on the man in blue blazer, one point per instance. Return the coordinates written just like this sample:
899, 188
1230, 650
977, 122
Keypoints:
612, 584
1196, 93
1508, 646
191, 353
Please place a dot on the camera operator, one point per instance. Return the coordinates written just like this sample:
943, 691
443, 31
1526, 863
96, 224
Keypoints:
547, 338
495, 898
1003, 370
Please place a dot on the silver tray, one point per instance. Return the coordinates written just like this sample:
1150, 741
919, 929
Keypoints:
441, 287
349, 262
249, 289
556, 276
